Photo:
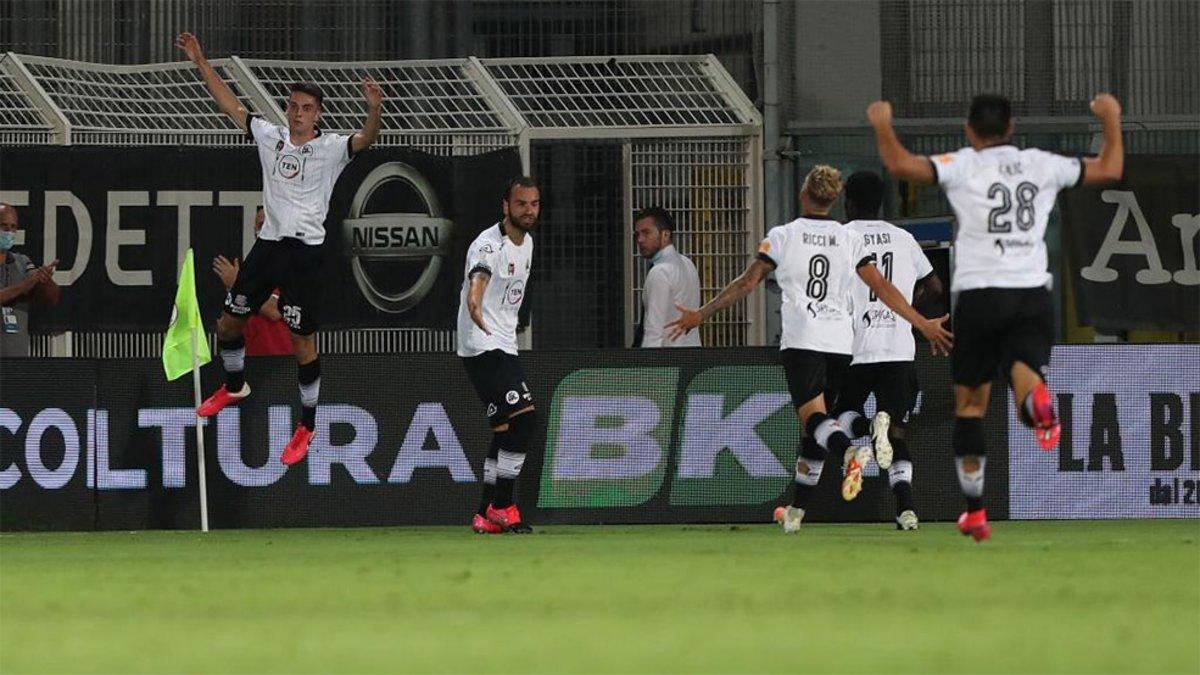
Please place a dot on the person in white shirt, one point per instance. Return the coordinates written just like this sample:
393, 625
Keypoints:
671, 281
1003, 314
494, 282
884, 347
300, 165
815, 263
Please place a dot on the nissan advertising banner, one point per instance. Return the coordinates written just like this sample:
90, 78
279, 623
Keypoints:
652, 436
398, 227
1130, 443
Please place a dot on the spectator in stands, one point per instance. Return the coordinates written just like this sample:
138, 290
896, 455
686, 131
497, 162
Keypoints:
266, 334
21, 284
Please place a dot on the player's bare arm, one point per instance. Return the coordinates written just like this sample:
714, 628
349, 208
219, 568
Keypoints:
227, 102
899, 162
934, 330
479, 284
737, 289
370, 130
1109, 165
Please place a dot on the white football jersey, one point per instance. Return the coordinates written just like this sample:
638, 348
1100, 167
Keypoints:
816, 262
297, 181
493, 252
1002, 197
881, 335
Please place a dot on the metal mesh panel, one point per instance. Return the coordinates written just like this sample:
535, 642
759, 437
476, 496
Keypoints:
705, 185
149, 345
575, 293
615, 92
153, 104
433, 96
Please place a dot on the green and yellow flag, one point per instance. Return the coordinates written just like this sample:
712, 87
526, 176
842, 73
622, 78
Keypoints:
185, 318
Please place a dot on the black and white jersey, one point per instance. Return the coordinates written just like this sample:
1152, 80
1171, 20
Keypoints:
297, 181
508, 264
881, 335
1002, 197
816, 263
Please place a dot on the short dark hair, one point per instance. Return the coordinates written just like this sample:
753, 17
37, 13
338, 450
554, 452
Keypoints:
864, 191
661, 217
310, 89
990, 115
520, 181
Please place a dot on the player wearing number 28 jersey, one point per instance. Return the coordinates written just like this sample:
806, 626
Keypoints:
1004, 319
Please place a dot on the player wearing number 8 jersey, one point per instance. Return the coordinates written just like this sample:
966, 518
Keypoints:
815, 261
1002, 197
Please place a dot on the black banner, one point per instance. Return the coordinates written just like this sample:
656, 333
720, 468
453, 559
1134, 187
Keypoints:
1133, 247
648, 436
119, 220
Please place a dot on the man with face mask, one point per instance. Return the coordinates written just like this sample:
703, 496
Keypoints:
671, 283
21, 283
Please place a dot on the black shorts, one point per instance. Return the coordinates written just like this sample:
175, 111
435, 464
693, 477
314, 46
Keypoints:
500, 382
995, 327
810, 373
892, 382
290, 265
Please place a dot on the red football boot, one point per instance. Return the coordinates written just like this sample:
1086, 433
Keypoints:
508, 518
1048, 429
297, 448
482, 525
974, 524
221, 398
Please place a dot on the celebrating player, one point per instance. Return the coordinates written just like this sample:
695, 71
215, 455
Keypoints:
815, 261
1004, 316
883, 342
497, 270
300, 164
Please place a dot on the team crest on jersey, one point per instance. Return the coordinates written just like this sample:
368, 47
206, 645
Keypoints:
306, 150
397, 241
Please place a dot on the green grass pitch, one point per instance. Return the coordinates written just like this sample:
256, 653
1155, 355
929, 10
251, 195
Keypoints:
1040, 597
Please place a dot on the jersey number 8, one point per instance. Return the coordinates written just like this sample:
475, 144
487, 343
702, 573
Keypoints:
818, 273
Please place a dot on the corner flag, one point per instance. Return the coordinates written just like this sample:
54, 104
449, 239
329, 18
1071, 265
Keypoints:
177, 354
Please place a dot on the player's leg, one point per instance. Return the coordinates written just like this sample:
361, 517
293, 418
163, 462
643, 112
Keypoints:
512, 440
806, 371
1028, 345
251, 288
854, 459
299, 299
481, 371
979, 318
894, 398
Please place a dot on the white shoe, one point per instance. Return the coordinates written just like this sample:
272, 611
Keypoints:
790, 517
879, 439
907, 520
853, 463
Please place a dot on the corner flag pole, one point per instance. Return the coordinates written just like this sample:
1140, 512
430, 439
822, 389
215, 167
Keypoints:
199, 430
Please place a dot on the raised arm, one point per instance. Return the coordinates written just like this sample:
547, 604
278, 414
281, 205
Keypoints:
1109, 165
898, 161
940, 339
370, 130
221, 93
737, 289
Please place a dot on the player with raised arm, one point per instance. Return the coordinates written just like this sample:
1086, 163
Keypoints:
884, 347
815, 262
496, 273
300, 165
1003, 315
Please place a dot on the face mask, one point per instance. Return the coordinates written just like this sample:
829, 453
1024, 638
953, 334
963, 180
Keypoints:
7, 240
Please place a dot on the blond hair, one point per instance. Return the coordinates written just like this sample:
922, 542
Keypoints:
823, 184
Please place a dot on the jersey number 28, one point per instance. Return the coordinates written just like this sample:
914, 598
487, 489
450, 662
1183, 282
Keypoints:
999, 218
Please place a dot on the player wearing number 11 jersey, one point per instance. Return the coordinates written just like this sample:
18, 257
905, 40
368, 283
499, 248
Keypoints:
1004, 317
